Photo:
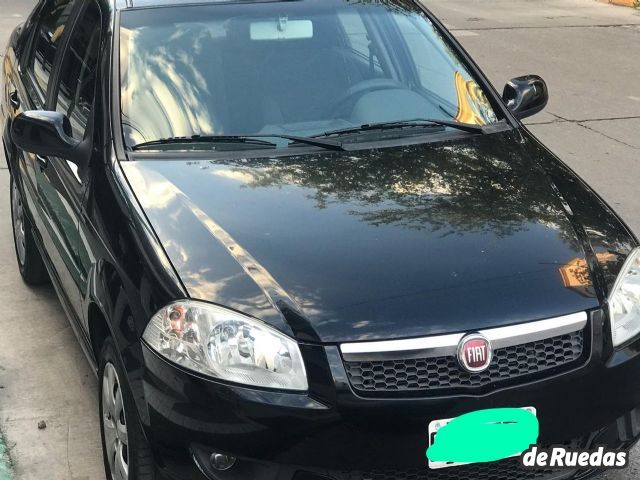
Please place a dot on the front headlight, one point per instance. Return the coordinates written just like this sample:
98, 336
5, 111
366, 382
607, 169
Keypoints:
624, 301
224, 344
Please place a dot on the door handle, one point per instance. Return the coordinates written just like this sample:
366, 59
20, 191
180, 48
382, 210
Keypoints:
14, 100
43, 162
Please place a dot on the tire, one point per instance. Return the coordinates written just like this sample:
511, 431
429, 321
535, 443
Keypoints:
30, 264
136, 462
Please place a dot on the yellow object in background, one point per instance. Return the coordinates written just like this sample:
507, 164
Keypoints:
471, 101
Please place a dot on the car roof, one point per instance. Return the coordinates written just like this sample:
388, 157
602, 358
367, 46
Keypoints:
123, 4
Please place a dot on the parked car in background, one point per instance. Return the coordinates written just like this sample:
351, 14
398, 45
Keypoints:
294, 236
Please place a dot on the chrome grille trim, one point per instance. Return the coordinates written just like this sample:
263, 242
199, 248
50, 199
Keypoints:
447, 345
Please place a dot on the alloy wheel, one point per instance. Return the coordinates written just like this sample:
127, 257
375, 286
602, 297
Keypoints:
18, 224
116, 438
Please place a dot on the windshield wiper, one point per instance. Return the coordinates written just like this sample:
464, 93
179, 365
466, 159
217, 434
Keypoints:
203, 139
316, 142
415, 122
246, 139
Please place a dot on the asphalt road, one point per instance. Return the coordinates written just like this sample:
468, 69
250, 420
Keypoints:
588, 53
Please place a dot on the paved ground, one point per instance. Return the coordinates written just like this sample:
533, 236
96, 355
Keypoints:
587, 51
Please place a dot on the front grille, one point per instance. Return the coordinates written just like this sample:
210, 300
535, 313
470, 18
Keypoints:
505, 470
445, 373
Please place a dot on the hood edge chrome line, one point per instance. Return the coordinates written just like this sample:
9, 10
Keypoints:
447, 345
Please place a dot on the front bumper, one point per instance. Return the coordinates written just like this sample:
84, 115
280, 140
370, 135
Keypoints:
332, 432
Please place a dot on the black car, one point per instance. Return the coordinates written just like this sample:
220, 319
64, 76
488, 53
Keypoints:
292, 235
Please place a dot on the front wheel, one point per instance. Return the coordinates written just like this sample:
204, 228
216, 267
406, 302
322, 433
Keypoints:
127, 455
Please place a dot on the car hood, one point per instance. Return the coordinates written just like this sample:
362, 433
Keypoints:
374, 244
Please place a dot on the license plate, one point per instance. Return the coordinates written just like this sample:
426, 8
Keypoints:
438, 424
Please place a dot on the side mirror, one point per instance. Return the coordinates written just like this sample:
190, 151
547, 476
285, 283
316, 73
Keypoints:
45, 133
526, 96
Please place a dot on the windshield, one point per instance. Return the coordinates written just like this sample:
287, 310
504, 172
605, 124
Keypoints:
290, 68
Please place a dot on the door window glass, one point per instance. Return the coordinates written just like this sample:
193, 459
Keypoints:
76, 90
53, 20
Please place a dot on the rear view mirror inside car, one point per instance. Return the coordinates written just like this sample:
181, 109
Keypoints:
281, 29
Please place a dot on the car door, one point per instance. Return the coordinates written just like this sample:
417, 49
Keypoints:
49, 201
61, 183
29, 84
